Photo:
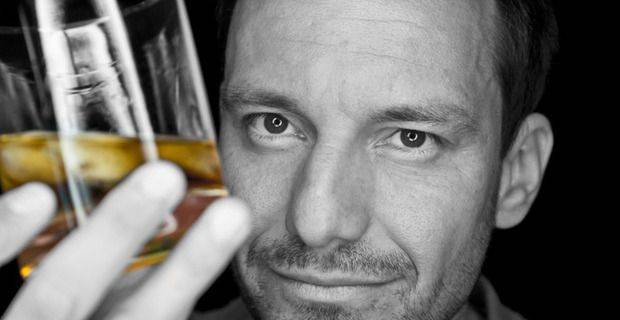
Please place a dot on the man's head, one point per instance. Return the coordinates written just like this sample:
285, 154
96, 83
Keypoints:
367, 138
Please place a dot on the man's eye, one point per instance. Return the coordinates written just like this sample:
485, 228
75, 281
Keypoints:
412, 138
410, 145
274, 123
269, 124
272, 130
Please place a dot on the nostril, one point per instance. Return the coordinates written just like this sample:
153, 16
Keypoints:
315, 227
319, 221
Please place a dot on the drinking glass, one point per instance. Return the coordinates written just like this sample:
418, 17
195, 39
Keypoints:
90, 90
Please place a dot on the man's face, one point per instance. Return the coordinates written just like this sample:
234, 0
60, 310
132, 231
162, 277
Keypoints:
365, 137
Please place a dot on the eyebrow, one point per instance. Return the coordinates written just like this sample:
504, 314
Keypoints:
233, 97
453, 115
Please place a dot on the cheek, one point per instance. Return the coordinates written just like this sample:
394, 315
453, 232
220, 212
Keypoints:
431, 215
264, 181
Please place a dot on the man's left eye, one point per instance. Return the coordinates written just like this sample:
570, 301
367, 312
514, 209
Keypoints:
409, 144
409, 139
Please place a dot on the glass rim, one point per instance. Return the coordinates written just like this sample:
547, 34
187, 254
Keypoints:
14, 30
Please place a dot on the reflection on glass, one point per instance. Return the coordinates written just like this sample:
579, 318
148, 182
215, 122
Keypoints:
96, 91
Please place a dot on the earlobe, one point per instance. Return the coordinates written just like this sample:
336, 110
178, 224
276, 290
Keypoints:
523, 169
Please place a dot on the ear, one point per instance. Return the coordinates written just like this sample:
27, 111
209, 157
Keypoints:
523, 169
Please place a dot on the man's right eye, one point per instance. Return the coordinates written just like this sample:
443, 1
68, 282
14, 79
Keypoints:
272, 130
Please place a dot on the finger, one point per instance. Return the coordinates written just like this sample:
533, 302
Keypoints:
24, 212
195, 263
74, 277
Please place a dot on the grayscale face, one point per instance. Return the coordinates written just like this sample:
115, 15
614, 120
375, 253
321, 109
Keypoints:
365, 136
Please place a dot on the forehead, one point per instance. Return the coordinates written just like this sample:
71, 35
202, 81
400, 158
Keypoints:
356, 50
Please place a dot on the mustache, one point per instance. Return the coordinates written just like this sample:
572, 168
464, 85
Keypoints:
353, 257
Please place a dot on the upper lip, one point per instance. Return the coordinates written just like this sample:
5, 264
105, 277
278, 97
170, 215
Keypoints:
332, 279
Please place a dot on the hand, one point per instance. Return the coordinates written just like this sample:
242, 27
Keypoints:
74, 278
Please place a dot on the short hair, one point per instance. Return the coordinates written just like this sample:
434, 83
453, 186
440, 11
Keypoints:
526, 40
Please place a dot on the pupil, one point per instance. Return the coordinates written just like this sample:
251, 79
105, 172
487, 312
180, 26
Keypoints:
412, 138
275, 124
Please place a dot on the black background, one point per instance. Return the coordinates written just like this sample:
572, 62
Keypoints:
543, 267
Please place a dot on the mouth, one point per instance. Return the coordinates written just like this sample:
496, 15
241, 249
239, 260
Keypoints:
332, 287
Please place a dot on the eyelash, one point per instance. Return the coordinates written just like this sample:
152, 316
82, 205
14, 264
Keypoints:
433, 142
423, 151
429, 136
249, 119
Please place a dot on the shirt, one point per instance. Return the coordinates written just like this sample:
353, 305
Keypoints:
484, 304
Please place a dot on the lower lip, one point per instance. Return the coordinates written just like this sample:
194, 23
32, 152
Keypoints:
328, 294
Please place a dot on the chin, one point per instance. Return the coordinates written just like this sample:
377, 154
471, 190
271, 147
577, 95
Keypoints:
271, 294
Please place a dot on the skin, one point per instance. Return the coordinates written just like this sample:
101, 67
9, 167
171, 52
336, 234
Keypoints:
350, 223
72, 280
346, 223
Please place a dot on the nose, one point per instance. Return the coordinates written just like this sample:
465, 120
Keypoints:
330, 198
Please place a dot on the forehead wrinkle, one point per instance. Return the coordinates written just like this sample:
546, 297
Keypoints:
403, 36
345, 28
368, 53
395, 21
400, 37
